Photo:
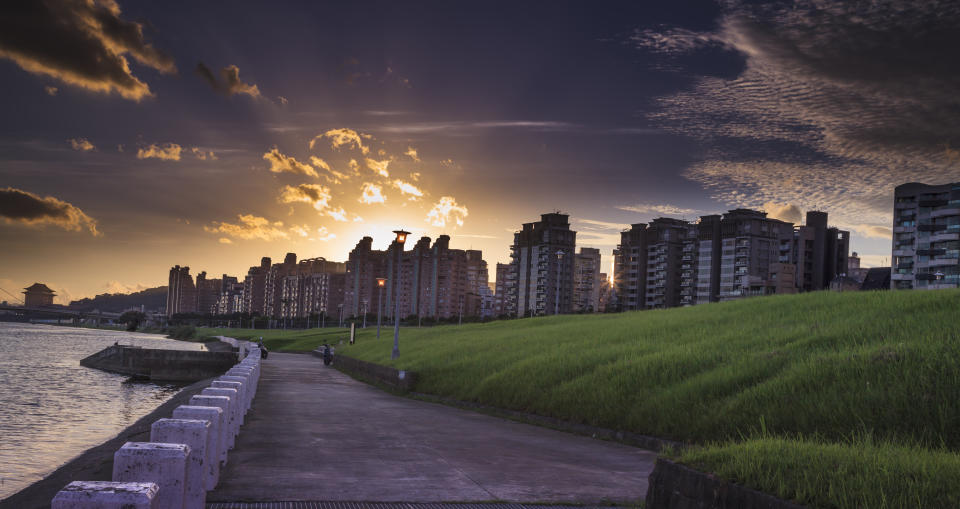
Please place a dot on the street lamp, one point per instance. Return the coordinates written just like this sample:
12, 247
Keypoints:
556, 309
341, 314
381, 282
364, 313
401, 238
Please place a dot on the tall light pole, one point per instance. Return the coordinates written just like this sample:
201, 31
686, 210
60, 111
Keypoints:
556, 309
460, 322
364, 313
341, 314
401, 238
381, 282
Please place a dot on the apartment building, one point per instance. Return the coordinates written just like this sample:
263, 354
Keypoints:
181, 291
542, 260
254, 287
652, 263
505, 283
586, 281
820, 252
926, 236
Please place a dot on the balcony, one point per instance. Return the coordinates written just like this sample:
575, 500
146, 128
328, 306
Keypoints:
933, 203
932, 227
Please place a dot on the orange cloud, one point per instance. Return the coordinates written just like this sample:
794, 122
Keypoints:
203, 156
407, 188
379, 167
447, 211
83, 44
343, 137
168, 152
318, 196
231, 84
280, 163
24, 207
81, 144
249, 227
372, 193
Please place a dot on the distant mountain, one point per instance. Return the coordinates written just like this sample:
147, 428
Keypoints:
151, 298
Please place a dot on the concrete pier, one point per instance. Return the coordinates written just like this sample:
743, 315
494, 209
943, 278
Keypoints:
160, 463
233, 409
223, 403
106, 495
193, 433
213, 415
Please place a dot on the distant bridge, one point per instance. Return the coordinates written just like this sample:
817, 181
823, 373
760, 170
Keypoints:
57, 311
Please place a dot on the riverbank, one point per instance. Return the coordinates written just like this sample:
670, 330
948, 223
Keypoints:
96, 463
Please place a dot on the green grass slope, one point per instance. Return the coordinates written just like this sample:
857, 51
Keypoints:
832, 399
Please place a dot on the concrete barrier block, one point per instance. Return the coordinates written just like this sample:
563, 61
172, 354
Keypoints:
223, 403
234, 408
160, 463
106, 495
214, 416
246, 394
241, 395
194, 433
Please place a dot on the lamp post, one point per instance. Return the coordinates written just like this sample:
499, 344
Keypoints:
401, 238
364, 313
381, 282
460, 321
556, 309
341, 314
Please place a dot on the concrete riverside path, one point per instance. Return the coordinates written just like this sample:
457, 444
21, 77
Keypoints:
315, 434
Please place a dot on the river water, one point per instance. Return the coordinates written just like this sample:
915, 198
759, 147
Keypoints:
52, 409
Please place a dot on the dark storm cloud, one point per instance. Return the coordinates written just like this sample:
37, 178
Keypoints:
24, 207
231, 81
865, 92
82, 43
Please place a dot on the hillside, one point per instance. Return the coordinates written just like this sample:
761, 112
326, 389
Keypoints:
151, 299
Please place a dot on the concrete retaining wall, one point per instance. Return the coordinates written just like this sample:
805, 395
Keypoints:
675, 486
390, 377
161, 365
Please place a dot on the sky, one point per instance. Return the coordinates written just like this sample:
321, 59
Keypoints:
135, 136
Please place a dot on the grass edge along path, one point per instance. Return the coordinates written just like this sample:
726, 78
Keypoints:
744, 376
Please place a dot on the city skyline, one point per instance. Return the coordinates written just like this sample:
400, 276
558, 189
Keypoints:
210, 137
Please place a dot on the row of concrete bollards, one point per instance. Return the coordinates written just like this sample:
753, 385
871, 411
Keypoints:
182, 460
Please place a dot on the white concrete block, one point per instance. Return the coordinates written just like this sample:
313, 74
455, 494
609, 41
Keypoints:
193, 433
223, 403
106, 495
245, 393
234, 408
214, 416
241, 395
160, 463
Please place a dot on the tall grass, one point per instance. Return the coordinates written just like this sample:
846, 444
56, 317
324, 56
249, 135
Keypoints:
749, 377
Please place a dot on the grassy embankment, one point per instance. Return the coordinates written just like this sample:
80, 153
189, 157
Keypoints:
833, 400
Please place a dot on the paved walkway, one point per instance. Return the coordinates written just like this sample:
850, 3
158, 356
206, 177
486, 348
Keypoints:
315, 434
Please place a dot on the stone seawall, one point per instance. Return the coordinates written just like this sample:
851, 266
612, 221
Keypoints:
161, 365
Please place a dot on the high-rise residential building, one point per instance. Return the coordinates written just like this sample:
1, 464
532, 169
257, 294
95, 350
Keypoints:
926, 236
364, 266
651, 262
608, 296
750, 244
208, 292
586, 281
230, 300
853, 267
820, 252
705, 253
181, 292
313, 287
542, 257
273, 285
501, 303
254, 286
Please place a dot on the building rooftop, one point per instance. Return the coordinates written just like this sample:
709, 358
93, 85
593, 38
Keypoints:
39, 288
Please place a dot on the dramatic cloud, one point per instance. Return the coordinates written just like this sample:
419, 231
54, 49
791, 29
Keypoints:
379, 167
785, 212
654, 208
250, 227
167, 152
332, 176
407, 188
840, 101
338, 214
372, 193
51, 91
203, 156
343, 137
446, 211
24, 207
231, 83
81, 144
880, 232
318, 196
412, 153
83, 43
324, 234
280, 163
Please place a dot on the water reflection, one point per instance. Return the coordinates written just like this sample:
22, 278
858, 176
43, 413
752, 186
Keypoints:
52, 409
